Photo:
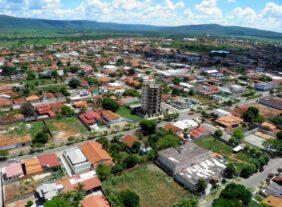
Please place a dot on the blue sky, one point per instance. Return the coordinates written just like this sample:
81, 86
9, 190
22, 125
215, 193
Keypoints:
261, 14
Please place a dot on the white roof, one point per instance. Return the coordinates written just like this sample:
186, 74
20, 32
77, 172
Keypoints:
237, 149
184, 124
221, 112
76, 156
212, 71
110, 67
187, 85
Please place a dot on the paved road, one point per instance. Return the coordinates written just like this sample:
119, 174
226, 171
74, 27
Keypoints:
255, 180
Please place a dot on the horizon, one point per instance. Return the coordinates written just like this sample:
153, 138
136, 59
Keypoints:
259, 14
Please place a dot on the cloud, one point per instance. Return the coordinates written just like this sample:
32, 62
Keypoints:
165, 12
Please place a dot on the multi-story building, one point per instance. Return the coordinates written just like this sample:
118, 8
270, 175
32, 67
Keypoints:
151, 98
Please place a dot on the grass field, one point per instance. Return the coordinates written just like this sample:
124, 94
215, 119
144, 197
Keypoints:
154, 187
64, 128
21, 129
126, 113
219, 147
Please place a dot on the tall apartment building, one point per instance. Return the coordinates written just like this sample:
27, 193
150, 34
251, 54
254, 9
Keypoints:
151, 98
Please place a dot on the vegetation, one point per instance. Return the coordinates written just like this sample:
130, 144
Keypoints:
27, 110
148, 126
103, 172
110, 104
233, 195
74, 83
187, 202
252, 115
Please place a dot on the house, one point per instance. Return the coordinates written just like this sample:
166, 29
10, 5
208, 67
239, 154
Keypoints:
275, 103
129, 140
7, 143
95, 201
272, 201
95, 153
198, 133
49, 161
32, 167
47, 191
229, 121
171, 127
5, 104
110, 117
13, 171
89, 181
273, 189
76, 161
45, 110
32, 98
89, 117
186, 124
264, 86
80, 104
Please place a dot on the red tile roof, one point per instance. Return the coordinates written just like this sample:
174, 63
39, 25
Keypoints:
49, 160
95, 201
89, 117
129, 140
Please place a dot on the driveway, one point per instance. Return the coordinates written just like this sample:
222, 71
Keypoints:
255, 180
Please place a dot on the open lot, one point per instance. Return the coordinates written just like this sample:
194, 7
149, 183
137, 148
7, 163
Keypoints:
21, 129
126, 113
217, 146
62, 129
154, 187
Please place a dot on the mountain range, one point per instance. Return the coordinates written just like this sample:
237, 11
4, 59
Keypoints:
8, 22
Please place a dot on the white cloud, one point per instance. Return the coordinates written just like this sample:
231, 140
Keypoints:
209, 9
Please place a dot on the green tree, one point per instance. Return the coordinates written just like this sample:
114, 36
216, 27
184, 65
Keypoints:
29, 203
40, 138
229, 171
218, 134
279, 135
74, 83
131, 161
110, 104
232, 196
148, 126
27, 110
187, 202
131, 92
4, 154
67, 111
252, 115
176, 81
58, 202
200, 186
103, 171
238, 133
247, 170
129, 198
136, 147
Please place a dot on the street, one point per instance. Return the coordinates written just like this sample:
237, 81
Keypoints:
255, 180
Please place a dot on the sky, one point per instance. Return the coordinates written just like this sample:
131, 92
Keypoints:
261, 14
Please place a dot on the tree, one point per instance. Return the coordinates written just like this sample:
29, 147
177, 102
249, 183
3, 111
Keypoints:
58, 202
103, 172
229, 171
74, 83
192, 92
148, 126
238, 133
130, 161
4, 153
7, 71
110, 104
136, 147
67, 111
131, 92
27, 110
40, 138
187, 202
120, 62
129, 198
176, 81
29, 203
247, 170
200, 186
218, 134
279, 135
30, 75
252, 115
233, 195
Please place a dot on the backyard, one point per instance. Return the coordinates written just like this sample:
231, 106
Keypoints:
154, 187
62, 129
218, 146
126, 113
21, 129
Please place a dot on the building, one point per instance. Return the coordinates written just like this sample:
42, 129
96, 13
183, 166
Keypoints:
49, 161
95, 153
129, 140
32, 167
275, 103
263, 86
95, 200
151, 98
89, 117
173, 160
48, 191
273, 201
89, 181
76, 161
13, 171
273, 189
7, 143
190, 163
229, 121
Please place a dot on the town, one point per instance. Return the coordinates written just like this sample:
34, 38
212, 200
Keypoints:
141, 121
